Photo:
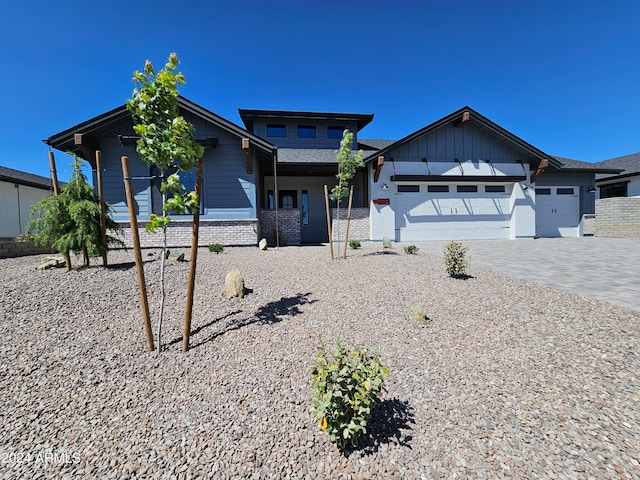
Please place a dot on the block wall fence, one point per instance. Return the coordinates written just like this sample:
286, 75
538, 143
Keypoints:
618, 217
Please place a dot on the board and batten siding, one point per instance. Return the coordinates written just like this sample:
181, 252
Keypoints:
229, 192
292, 140
462, 142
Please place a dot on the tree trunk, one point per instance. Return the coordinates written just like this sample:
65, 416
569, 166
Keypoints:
162, 263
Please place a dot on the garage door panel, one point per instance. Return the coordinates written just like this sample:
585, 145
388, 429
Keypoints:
557, 212
451, 216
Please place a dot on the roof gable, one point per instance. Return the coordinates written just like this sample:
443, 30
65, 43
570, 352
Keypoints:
64, 140
467, 114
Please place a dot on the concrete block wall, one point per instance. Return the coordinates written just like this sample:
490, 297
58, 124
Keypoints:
618, 217
11, 249
358, 227
226, 232
288, 223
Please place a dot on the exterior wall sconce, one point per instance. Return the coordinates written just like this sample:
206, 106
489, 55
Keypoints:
385, 186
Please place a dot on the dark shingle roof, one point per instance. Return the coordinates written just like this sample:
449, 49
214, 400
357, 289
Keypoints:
373, 144
307, 155
628, 164
571, 164
23, 178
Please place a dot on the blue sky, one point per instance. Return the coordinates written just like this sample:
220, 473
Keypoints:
562, 75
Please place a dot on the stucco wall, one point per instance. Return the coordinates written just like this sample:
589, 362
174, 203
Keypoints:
16, 201
618, 217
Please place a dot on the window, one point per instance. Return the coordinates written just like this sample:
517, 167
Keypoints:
438, 188
408, 188
276, 130
565, 191
614, 190
467, 188
306, 131
335, 132
305, 208
543, 191
287, 199
494, 188
188, 179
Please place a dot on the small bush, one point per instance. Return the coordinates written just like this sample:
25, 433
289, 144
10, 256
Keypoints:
418, 312
216, 247
411, 249
455, 259
355, 244
346, 385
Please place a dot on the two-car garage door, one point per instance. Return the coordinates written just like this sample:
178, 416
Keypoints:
450, 212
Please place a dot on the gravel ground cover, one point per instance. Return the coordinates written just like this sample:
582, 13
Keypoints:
508, 379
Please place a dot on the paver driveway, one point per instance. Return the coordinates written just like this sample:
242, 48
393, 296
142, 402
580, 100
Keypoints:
602, 268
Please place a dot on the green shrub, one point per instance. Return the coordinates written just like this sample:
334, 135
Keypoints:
346, 385
355, 244
216, 247
411, 249
455, 259
418, 313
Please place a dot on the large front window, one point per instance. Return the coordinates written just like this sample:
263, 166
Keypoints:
187, 178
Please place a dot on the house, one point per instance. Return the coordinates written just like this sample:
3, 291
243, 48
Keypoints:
19, 191
624, 183
461, 177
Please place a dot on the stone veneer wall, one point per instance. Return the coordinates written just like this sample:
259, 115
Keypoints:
618, 217
11, 248
288, 223
358, 227
226, 232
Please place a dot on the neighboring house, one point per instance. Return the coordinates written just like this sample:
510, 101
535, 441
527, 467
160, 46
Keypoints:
624, 183
18, 192
461, 177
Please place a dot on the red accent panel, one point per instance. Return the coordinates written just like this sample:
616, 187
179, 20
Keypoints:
381, 201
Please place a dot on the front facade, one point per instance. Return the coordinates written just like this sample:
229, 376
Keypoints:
461, 177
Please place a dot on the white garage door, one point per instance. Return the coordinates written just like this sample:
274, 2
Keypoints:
557, 211
450, 212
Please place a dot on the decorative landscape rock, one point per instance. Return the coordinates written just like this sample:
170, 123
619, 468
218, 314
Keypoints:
263, 244
234, 284
178, 257
386, 242
51, 262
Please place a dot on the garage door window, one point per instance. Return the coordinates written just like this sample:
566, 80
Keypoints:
494, 188
408, 188
467, 188
565, 191
543, 191
438, 188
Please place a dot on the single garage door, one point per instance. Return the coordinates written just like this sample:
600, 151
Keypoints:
557, 211
451, 212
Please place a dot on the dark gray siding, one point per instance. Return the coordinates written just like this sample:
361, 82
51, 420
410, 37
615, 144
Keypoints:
464, 142
584, 180
292, 140
229, 192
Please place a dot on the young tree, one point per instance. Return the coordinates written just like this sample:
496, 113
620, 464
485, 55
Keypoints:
166, 140
70, 222
348, 163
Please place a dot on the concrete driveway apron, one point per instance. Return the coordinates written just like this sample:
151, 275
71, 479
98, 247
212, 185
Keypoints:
603, 268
